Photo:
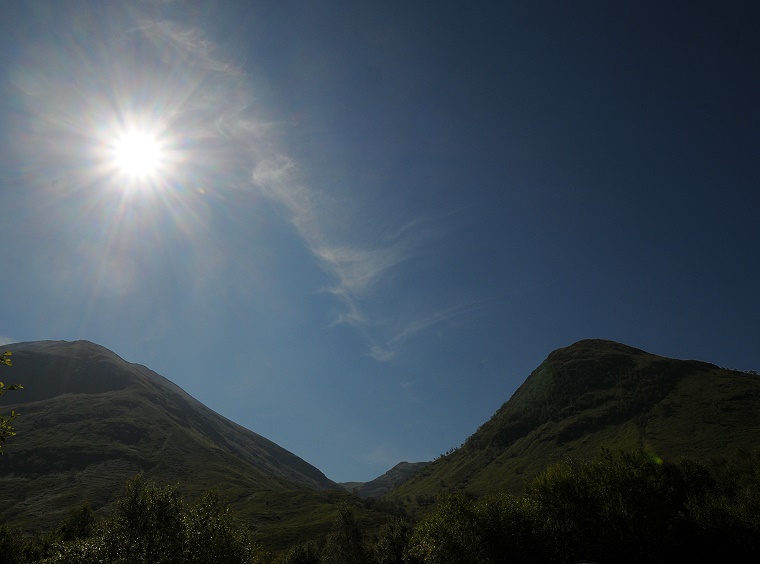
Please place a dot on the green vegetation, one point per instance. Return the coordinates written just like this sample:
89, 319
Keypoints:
529, 486
628, 507
597, 393
6, 429
91, 421
625, 507
150, 525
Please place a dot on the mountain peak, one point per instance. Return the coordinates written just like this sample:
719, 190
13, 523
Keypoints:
589, 346
88, 412
597, 393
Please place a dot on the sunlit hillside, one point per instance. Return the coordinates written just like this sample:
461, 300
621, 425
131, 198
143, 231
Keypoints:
597, 394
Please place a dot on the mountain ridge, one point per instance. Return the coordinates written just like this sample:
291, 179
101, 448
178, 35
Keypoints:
90, 420
598, 393
176, 401
386, 482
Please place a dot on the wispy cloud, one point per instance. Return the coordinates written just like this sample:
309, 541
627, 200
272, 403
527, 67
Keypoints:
381, 353
422, 323
187, 42
362, 272
7, 340
358, 271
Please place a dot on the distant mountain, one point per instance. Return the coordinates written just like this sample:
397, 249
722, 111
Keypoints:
389, 481
596, 394
90, 420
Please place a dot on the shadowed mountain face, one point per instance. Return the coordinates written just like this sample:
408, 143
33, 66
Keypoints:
389, 481
597, 394
91, 420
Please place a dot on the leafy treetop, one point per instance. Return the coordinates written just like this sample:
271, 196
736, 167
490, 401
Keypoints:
6, 429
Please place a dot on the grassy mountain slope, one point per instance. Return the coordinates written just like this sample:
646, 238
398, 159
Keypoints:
91, 420
387, 482
599, 393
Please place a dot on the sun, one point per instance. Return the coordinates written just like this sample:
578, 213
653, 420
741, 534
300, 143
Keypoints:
138, 154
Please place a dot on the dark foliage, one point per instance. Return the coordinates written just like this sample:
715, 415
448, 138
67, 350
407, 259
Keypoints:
345, 545
11, 548
302, 553
392, 540
152, 525
79, 524
612, 508
626, 507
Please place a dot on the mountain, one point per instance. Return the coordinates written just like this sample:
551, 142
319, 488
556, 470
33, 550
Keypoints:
90, 420
595, 394
389, 481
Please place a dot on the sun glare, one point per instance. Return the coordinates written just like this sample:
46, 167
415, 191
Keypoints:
138, 154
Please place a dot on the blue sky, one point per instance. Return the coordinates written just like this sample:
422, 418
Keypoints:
371, 220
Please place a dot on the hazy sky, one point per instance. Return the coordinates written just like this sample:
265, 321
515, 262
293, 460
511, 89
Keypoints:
370, 221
